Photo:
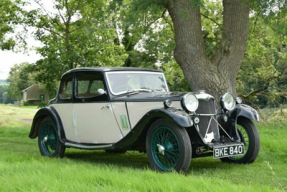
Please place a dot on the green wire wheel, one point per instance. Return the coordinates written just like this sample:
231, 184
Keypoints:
168, 147
165, 148
48, 139
249, 136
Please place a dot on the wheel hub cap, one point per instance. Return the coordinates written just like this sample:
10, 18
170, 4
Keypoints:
160, 149
168, 146
45, 139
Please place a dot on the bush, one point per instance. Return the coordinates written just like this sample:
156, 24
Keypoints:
33, 102
43, 104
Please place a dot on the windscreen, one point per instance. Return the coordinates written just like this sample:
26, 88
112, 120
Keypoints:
123, 82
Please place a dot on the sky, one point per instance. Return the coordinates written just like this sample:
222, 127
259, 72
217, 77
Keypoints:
9, 58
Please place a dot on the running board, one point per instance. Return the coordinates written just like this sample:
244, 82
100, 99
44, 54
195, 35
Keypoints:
81, 146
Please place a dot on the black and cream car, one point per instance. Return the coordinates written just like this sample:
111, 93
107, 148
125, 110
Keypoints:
120, 109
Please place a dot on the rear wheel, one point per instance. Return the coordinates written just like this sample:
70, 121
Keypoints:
48, 139
249, 135
168, 147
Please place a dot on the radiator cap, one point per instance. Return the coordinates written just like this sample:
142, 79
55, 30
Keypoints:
201, 91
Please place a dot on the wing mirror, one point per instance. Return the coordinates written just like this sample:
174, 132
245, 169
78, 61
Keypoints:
101, 91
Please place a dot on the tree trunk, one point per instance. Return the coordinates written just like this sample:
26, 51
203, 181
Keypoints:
218, 74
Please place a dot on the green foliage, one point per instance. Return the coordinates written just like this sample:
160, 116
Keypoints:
147, 36
263, 75
140, 33
42, 104
34, 102
4, 97
3, 89
9, 18
75, 34
175, 78
212, 21
19, 78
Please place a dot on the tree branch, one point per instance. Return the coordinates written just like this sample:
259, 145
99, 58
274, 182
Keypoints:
53, 32
59, 12
211, 19
165, 19
48, 14
265, 86
77, 29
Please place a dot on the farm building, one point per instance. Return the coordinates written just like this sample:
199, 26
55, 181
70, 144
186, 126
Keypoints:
34, 92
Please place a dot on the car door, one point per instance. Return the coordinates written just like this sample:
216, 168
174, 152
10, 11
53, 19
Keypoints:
64, 107
93, 113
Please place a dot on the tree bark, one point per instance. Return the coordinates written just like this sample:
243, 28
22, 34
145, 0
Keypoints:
218, 74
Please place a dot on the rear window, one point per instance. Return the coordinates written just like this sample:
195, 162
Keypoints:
67, 87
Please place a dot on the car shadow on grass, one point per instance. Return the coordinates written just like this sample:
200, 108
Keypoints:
137, 160
129, 159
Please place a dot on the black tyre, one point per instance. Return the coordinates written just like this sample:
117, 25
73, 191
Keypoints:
250, 137
168, 147
48, 139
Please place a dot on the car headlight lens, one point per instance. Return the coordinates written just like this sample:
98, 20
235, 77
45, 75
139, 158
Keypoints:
227, 101
167, 103
238, 100
189, 102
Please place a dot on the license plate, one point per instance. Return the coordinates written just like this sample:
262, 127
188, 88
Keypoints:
227, 150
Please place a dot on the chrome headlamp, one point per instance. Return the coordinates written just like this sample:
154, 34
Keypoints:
238, 100
167, 103
189, 102
227, 101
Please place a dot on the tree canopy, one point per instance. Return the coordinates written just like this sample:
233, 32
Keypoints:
9, 18
231, 45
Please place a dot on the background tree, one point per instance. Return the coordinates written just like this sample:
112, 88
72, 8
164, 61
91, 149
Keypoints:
148, 38
74, 34
214, 69
4, 97
263, 75
19, 78
10, 18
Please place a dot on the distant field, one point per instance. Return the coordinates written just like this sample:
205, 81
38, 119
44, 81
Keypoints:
22, 168
3, 82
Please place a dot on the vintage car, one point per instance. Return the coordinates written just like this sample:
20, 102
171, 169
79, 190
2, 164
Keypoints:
120, 109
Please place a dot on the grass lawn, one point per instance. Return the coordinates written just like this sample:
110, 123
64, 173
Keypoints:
22, 168
29, 107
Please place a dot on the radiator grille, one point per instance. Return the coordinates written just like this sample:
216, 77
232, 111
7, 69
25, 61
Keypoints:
206, 107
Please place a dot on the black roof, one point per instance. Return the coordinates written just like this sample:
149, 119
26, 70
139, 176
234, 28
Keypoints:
104, 69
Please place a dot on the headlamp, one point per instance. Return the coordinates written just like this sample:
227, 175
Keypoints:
227, 101
189, 102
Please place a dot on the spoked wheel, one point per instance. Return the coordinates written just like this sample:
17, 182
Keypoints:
249, 135
168, 147
48, 139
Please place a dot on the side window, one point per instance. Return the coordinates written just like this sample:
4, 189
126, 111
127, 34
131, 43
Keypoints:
66, 91
87, 85
96, 84
83, 86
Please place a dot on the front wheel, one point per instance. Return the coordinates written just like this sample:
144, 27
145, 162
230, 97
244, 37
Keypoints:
168, 147
48, 139
249, 135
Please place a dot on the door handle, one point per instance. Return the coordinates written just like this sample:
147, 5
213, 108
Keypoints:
106, 106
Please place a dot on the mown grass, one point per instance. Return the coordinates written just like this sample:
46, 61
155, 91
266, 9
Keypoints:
22, 168
29, 107
10, 111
